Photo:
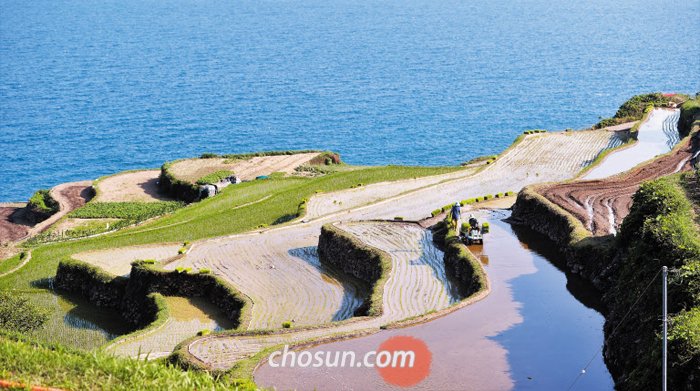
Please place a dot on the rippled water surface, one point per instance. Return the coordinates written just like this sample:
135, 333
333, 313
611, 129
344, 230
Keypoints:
91, 88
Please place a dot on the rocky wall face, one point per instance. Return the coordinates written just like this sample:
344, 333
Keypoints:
129, 295
348, 254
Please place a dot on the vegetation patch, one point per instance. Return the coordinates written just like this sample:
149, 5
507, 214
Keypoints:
326, 159
132, 211
635, 107
25, 361
689, 120
41, 206
214, 177
18, 314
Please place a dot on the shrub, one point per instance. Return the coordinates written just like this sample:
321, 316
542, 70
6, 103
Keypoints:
286, 325
689, 118
22, 255
204, 271
149, 261
447, 207
203, 332
488, 197
43, 202
209, 155
214, 177
326, 158
18, 314
181, 251
179, 269
435, 212
509, 193
398, 218
499, 195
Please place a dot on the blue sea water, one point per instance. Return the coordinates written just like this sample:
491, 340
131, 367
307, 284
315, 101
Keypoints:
90, 88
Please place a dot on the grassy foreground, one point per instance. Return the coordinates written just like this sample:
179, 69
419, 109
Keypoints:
53, 365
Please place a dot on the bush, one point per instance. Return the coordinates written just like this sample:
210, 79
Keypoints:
18, 314
149, 261
509, 193
488, 197
435, 212
208, 155
214, 177
204, 271
42, 202
447, 207
181, 251
286, 325
179, 269
203, 332
499, 195
398, 218
689, 118
326, 158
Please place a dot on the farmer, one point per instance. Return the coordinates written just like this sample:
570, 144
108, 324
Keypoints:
473, 222
456, 214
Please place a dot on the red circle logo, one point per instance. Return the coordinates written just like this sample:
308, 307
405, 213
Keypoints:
403, 361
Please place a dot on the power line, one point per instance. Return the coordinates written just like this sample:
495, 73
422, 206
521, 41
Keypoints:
615, 329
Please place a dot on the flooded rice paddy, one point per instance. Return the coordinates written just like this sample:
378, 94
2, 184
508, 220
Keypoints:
537, 330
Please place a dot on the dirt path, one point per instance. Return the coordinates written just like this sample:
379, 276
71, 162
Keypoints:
70, 196
24, 262
137, 186
602, 204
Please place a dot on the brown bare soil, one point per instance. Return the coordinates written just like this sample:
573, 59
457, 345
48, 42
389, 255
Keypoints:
602, 204
138, 186
193, 169
12, 226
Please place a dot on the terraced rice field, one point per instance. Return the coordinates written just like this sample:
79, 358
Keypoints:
327, 203
193, 169
417, 285
279, 270
187, 317
539, 158
118, 261
76, 323
281, 273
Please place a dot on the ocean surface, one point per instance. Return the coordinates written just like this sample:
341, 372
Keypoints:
91, 88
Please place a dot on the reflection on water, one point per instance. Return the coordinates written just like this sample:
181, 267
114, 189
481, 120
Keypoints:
530, 333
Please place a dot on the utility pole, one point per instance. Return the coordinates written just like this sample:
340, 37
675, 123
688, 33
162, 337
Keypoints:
665, 320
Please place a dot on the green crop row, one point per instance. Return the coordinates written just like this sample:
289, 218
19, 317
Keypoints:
214, 177
534, 131
134, 211
484, 198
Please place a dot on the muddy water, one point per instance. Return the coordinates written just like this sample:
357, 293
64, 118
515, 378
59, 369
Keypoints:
535, 331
